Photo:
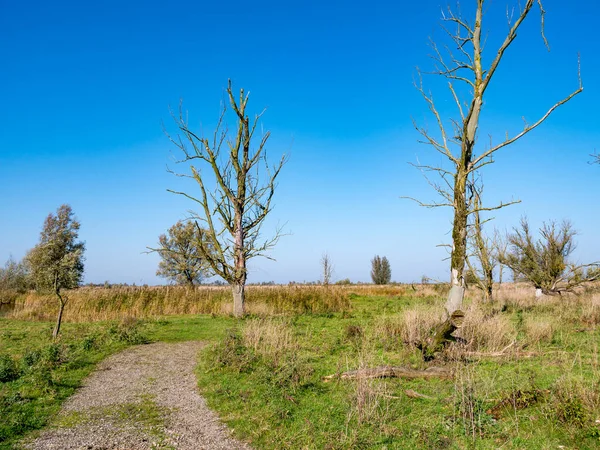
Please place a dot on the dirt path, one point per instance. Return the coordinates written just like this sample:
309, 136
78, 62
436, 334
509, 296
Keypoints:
142, 398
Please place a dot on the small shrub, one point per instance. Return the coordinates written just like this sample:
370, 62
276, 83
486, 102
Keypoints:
54, 353
571, 411
89, 343
353, 332
31, 358
128, 330
232, 353
517, 399
9, 370
11, 398
292, 374
573, 401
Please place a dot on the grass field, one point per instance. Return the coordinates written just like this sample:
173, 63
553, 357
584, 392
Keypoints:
526, 374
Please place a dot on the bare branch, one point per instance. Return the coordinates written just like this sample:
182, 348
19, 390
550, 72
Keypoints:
527, 129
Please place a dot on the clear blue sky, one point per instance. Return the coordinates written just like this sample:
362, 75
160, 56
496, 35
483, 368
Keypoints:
86, 86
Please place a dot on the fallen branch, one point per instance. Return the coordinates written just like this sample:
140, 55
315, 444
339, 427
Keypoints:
391, 372
409, 393
414, 394
501, 353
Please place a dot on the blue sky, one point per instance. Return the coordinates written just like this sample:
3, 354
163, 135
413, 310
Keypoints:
86, 88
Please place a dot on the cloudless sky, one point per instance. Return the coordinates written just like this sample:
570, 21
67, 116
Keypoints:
86, 87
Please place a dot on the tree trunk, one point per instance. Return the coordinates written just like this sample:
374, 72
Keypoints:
61, 308
441, 335
459, 240
239, 307
455, 296
488, 294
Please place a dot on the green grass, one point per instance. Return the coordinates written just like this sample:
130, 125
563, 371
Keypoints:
281, 402
264, 377
47, 373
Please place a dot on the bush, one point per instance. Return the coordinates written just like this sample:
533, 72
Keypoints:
128, 330
31, 358
8, 369
232, 353
53, 353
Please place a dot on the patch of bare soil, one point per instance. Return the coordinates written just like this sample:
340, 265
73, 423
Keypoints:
145, 397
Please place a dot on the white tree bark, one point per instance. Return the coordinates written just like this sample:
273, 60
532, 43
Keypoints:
238, 300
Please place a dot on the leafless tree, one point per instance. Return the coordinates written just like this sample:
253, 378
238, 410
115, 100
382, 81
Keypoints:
468, 80
232, 199
500, 248
481, 258
327, 268
545, 262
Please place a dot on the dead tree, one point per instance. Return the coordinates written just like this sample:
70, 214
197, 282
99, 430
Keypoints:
500, 248
233, 202
327, 268
481, 258
456, 139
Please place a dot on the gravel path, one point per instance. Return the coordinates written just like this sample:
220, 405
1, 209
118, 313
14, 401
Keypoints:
142, 398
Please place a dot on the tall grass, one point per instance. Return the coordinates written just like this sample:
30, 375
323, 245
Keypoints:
90, 304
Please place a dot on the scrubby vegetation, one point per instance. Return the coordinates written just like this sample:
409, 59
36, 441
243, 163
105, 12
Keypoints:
518, 382
525, 372
36, 375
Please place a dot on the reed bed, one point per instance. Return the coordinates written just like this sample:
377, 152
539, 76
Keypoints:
91, 304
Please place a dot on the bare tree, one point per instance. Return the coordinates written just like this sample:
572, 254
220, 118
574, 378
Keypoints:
500, 248
327, 268
545, 262
480, 258
233, 202
468, 80
57, 261
181, 259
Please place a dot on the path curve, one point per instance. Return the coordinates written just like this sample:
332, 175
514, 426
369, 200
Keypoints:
145, 397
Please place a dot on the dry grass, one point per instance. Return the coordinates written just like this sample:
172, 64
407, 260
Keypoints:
410, 326
270, 338
368, 398
590, 309
484, 332
96, 304
538, 330
368, 401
